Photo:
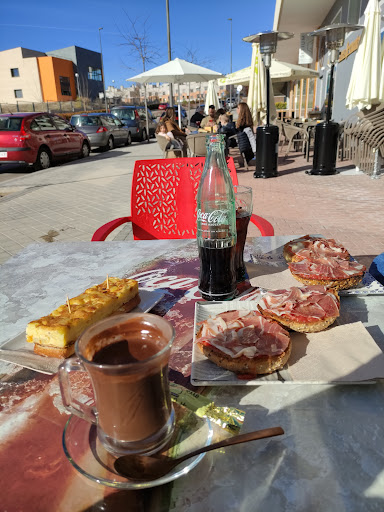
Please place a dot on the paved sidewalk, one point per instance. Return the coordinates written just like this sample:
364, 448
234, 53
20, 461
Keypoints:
71, 201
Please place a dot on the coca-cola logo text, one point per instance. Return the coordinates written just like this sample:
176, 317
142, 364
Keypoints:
215, 217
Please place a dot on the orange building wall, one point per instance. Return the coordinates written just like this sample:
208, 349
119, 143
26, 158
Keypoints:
51, 69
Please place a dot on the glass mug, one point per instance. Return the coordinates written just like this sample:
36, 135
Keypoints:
126, 357
243, 201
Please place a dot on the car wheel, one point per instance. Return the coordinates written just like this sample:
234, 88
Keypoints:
110, 144
129, 139
144, 135
43, 160
85, 150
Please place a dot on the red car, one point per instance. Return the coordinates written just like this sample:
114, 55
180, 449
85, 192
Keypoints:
38, 138
163, 106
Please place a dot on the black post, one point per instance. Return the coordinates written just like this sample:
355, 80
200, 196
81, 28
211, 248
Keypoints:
267, 139
326, 139
330, 95
268, 92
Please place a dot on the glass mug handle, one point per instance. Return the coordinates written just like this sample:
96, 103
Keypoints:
84, 411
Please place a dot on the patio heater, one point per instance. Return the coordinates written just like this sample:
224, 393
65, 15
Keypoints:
267, 137
327, 133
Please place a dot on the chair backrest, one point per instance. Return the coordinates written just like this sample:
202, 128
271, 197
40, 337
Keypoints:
163, 200
196, 144
162, 141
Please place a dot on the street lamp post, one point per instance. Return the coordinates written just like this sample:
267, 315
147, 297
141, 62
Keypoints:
78, 88
230, 68
102, 71
169, 50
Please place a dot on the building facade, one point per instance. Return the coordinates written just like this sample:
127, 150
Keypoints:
311, 95
60, 75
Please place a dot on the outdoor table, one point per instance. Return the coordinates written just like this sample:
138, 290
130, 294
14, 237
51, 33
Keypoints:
331, 457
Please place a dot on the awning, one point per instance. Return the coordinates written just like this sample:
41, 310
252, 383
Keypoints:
280, 72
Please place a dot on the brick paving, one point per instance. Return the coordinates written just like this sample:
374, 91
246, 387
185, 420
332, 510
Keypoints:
70, 201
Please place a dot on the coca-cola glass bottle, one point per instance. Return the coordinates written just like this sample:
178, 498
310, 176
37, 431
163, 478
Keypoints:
216, 225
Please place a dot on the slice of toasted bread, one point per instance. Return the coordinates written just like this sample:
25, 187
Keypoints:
244, 365
287, 322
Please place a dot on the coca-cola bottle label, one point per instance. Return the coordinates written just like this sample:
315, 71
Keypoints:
214, 218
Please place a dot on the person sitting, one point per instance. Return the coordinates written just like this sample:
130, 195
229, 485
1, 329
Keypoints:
227, 128
197, 117
172, 142
172, 126
211, 119
245, 135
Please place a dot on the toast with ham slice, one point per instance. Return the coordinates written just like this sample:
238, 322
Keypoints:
244, 342
331, 272
304, 309
317, 247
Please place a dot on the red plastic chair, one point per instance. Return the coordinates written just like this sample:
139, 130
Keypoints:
164, 200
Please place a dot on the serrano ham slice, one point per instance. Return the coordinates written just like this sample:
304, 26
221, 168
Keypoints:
244, 342
304, 309
331, 272
317, 247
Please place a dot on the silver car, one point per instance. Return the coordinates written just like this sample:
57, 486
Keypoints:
104, 131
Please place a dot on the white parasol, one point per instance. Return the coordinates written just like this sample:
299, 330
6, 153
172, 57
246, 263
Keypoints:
176, 71
364, 85
212, 97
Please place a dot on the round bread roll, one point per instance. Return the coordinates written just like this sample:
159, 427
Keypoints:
304, 309
242, 365
333, 273
244, 342
311, 247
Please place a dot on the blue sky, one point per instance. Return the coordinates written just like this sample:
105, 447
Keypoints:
197, 25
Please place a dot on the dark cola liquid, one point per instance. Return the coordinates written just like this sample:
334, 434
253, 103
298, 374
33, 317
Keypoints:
217, 279
242, 221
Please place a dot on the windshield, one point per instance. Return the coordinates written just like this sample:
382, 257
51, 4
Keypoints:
89, 121
123, 113
10, 124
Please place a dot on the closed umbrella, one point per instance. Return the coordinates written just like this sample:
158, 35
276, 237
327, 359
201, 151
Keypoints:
381, 88
364, 85
212, 97
257, 92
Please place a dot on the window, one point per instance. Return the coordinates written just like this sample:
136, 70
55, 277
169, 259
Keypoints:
353, 12
94, 74
44, 122
15, 72
60, 123
10, 124
18, 93
108, 121
65, 86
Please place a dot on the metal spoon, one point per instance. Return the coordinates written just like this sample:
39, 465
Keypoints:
141, 467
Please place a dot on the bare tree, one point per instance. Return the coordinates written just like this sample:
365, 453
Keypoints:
137, 41
191, 54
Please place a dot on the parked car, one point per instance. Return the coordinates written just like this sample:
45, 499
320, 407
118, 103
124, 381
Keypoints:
104, 131
184, 117
232, 104
163, 106
38, 138
134, 118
